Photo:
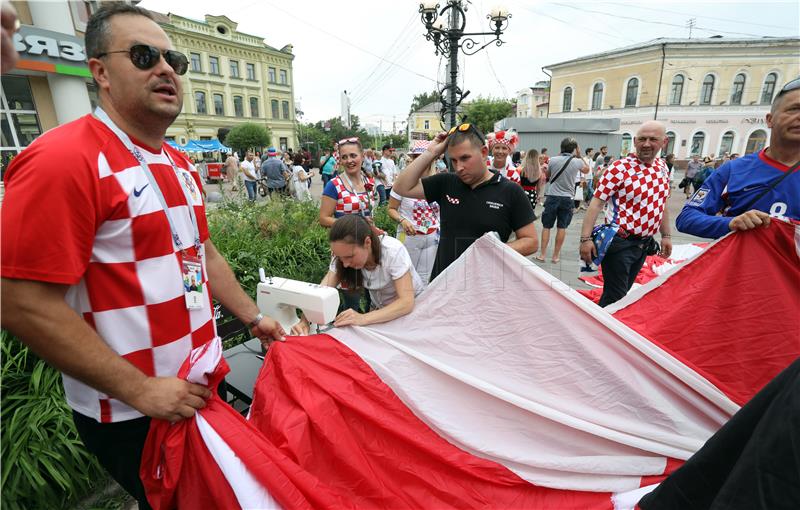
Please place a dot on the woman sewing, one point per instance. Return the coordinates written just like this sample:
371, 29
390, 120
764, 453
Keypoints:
379, 263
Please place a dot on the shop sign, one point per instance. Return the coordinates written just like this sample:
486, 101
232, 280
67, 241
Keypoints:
48, 51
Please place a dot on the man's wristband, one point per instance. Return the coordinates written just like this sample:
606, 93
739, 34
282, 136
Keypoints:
584, 239
253, 323
666, 236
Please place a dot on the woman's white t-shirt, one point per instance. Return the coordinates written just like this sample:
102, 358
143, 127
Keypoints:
395, 263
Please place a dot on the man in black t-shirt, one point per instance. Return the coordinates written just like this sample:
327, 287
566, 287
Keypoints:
473, 200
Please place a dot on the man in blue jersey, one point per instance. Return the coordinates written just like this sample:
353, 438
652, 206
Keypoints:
744, 193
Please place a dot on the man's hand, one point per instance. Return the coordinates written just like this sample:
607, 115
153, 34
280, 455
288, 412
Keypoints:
439, 144
350, 317
666, 247
588, 251
268, 330
169, 398
302, 328
749, 220
9, 23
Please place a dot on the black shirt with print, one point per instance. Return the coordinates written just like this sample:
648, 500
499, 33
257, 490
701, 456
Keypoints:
497, 205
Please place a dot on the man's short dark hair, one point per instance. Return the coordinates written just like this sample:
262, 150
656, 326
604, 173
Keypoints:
568, 145
603, 147
474, 136
386, 147
98, 33
590, 149
544, 150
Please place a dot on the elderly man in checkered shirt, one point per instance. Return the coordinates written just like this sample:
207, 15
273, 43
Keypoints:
638, 188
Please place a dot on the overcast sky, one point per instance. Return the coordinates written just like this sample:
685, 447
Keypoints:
376, 49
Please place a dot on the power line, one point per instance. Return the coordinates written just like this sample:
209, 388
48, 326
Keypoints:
715, 18
572, 25
652, 22
347, 42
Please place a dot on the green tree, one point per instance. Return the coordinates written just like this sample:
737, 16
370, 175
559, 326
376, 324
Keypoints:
484, 112
424, 99
247, 136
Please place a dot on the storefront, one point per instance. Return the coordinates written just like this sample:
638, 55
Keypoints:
51, 83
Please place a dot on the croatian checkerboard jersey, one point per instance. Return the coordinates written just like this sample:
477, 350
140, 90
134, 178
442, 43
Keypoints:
638, 191
732, 189
79, 211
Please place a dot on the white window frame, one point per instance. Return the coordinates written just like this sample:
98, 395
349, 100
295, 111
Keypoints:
602, 95
625, 92
7, 112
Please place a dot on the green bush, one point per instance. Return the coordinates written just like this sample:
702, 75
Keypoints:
44, 462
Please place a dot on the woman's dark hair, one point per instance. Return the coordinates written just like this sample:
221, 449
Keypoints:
354, 229
298, 159
516, 158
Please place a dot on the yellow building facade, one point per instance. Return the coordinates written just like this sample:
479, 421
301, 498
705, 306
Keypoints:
426, 122
712, 94
233, 78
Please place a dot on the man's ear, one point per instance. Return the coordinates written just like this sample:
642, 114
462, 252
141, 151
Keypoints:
99, 73
769, 120
485, 151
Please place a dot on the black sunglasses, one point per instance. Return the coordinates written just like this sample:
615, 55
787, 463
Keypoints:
146, 57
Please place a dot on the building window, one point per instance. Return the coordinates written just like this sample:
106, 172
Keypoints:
196, 63
756, 141
632, 92
769, 88
200, 102
285, 106
234, 69
219, 105
271, 75
254, 107
626, 145
238, 106
275, 112
707, 90
567, 105
676, 92
20, 122
284, 142
738, 89
81, 12
213, 64
597, 96
251, 72
698, 141
284, 77
427, 124
670, 148
727, 143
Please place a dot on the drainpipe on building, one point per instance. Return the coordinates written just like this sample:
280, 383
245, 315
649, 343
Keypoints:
70, 96
660, 78
549, 91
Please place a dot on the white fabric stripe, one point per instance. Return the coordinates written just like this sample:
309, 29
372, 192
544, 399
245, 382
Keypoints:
249, 492
560, 398
628, 500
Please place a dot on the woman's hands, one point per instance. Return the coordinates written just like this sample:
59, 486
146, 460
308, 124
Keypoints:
350, 317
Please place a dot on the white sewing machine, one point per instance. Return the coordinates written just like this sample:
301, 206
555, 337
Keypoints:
280, 298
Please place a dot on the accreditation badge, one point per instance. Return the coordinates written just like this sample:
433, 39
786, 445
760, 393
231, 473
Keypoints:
192, 271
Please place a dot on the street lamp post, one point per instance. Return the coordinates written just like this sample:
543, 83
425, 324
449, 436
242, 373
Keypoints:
447, 42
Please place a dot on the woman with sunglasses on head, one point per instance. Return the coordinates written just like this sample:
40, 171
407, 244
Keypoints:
363, 259
418, 222
350, 192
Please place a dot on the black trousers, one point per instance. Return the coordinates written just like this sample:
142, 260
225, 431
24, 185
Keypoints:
118, 446
752, 462
623, 261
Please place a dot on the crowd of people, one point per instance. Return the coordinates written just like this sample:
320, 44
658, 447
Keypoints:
121, 291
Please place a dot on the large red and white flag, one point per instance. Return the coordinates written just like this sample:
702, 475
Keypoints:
504, 388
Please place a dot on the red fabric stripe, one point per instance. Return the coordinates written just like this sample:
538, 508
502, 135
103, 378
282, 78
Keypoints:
323, 406
105, 410
742, 296
672, 465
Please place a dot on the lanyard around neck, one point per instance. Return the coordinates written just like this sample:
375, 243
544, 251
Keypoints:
128, 143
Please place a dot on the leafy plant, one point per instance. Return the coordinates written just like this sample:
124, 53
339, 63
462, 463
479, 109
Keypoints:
44, 462
247, 136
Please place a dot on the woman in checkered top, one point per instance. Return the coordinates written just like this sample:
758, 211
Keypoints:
350, 192
418, 223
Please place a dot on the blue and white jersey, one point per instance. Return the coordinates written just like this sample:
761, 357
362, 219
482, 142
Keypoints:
730, 190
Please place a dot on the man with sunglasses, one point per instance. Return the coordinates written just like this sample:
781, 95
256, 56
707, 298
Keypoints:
94, 282
745, 192
473, 200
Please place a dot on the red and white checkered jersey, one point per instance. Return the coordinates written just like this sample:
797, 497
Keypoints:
348, 202
510, 171
422, 214
80, 211
639, 192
